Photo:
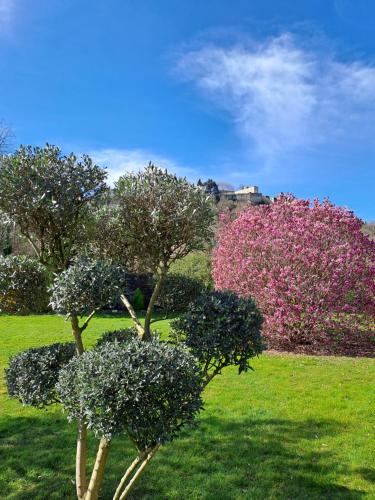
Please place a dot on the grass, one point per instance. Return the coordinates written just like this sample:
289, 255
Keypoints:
299, 427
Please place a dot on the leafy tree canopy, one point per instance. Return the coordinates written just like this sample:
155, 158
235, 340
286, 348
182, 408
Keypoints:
87, 286
49, 197
148, 390
107, 239
221, 329
164, 217
32, 374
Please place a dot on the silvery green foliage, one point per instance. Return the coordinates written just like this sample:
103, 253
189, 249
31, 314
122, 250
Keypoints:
164, 217
148, 390
86, 286
32, 374
49, 197
6, 226
221, 329
117, 336
23, 285
178, 291
107, 239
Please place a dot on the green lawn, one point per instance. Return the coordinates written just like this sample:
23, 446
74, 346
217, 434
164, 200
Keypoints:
297, 427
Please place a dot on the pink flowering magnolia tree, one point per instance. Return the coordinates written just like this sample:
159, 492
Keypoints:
310, 269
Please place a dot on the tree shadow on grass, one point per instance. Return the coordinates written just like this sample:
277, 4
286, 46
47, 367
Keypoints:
254, 459
367, 473
221, 459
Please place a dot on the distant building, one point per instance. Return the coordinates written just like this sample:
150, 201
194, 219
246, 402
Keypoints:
248, 194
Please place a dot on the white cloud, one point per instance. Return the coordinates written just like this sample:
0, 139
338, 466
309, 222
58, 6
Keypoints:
283, 97
6, 13
120, 161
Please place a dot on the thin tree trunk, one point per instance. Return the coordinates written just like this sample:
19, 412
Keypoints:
137, 475
81, 457
88, 319
151, 304
125, 477
133, 315
34, 247
77, 334
81, 453
98, 470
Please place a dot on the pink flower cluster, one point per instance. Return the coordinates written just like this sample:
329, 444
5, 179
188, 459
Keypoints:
310, 269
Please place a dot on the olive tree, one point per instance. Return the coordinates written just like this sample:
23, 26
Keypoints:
81, 291
49, 197
145, 390
163, 217
78, 292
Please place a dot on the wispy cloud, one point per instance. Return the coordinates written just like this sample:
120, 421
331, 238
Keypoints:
7, 8
120, 161
284, 97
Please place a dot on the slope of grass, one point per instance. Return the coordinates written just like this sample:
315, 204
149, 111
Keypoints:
299, 427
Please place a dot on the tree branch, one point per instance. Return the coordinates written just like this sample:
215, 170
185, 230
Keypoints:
151, 304
209, 377
136, 476
98, 470
133, 315
125, 477
37, 252
86, 322
77, 335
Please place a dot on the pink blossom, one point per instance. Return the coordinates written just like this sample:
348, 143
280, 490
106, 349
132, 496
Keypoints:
310, 269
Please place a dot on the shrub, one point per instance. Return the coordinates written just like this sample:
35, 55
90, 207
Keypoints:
117, 336
308, 266
221, 329
23, 285
32, 374
148, 390
138, 300
178, 292
195, 265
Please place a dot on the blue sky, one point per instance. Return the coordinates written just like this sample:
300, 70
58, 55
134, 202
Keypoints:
278, 93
